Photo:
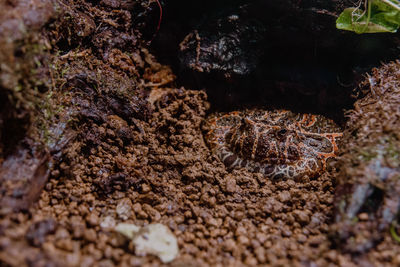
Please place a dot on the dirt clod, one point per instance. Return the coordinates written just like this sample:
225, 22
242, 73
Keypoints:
37, 232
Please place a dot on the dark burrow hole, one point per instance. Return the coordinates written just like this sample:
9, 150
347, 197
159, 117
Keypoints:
12, 126
373, 202
270, 54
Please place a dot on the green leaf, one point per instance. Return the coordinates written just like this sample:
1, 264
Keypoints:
386, 5
380, 17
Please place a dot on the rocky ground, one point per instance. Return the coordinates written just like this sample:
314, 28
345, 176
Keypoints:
103, 130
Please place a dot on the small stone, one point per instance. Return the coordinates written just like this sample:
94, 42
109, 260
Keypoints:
250, 261
240, 231
106, 263
260, 254
124, 208
78, 229
152, 212
137, 208
239, 215
284, 196
188, 214
211, 222
215, 232
332, 255
90, 235
261, 237
92, 219
61, 233
179, 219
229, 245
73, 259
244, 240
317, 220
301, 216
301, 238
87, 261
65, 244
363, 216
286, 232
156, 239
146, 188
107, 252
230, 185
127, 229
107, 222
316, 240
189, 237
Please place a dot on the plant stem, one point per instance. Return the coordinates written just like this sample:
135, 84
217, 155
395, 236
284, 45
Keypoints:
393, 232
368, 16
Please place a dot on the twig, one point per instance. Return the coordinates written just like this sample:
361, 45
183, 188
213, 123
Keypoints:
159, 22
368, 16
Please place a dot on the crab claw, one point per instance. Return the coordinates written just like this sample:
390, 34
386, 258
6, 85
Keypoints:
366, 205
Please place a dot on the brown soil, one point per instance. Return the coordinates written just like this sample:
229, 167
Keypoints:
114, 157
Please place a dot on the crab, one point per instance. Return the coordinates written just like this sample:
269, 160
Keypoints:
278, 144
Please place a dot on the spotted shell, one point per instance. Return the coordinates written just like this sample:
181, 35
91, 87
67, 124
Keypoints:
279, 144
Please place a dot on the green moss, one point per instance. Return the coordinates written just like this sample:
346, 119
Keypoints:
367, 155
392, 152
393, 232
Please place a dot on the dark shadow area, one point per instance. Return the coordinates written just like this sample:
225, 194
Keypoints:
274, 54
13, 127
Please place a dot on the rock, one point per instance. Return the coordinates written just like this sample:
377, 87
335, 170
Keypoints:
155, 239
127, 229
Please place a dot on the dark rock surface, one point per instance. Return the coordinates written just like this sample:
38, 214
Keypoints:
270, 53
